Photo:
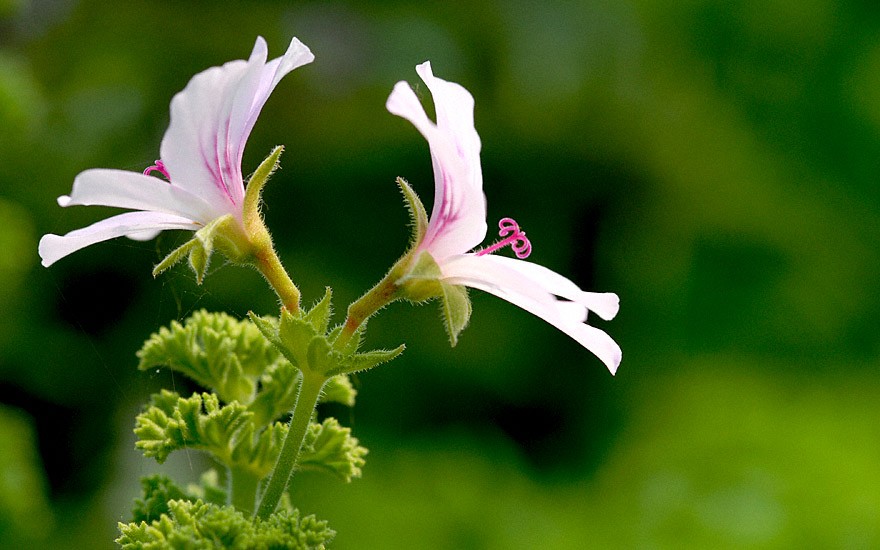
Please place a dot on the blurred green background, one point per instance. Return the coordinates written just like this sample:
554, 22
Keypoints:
714, 163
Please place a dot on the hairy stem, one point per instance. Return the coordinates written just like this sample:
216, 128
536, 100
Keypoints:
361, 309
299, 425
268, 263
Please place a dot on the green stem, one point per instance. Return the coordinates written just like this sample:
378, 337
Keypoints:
268, 263
244, 489
309, 393
361, 309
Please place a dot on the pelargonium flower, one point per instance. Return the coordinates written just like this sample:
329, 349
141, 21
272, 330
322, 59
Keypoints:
443, 251
200, 164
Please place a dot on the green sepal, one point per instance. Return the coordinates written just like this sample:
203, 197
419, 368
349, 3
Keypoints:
214, 349
456, 310
330, 448
200, 525
223, 231
253, 193
418, 215
175, 256
422, 280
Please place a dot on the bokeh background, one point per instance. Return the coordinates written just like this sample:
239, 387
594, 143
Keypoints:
714, 163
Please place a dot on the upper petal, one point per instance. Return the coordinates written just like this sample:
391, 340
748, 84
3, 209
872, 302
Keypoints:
507, 279
54, 247
458, 219
211, 120
122, 189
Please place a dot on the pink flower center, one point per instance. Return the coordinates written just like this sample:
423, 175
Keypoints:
158, 167
511, 235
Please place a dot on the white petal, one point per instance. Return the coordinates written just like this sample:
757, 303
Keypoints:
458, 219
211, 120
122, 189
517, 287
254, 92
54, 247
604, 304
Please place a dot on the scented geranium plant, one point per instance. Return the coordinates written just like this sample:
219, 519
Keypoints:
261, 370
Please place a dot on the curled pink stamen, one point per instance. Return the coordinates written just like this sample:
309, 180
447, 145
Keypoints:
513, 236
158, 167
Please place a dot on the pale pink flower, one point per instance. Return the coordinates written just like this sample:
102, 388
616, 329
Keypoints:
201, 154
458, 224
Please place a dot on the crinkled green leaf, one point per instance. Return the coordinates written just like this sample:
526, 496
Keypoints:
199, 525
331, 448
279, 386
339, 390
197, 422
456, 310
158, 490
258, 455
229, 434
216, 350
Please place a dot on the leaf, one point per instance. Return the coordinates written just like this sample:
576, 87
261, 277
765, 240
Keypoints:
200, 525
197, 422
279, 387
331, 448
339, 390
214, 349
158, 490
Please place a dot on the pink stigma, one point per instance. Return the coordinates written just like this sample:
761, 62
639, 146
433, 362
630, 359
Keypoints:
158, 167
516, 239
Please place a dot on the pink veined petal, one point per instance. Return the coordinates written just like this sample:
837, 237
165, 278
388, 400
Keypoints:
123, 189
251, 98
484, 273
604, 304
211, 120
458, 218
54, 247
189, 147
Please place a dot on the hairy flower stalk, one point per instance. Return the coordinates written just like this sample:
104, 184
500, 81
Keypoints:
197, 184
442, 260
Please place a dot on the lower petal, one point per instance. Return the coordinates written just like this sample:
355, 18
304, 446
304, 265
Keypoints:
54, 247
517, 287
